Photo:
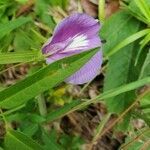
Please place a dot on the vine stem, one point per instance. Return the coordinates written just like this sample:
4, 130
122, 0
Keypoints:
42, 105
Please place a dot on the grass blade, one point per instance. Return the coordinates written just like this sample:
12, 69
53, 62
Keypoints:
76, 105
128, 40
16, 57
44, 79
11, 25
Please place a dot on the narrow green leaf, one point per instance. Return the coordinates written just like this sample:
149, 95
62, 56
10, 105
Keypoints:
23, 41
143, 43
146, 67
44, 79
11, 25
145, 109
16, 57
76, 105
15, 140
128, 40
42, 11
138, 10
31, 129
50, 142
62, 111
100, 127
131, 8
143, 8
5, 45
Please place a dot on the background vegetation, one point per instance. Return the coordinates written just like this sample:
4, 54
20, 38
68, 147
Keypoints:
39, 111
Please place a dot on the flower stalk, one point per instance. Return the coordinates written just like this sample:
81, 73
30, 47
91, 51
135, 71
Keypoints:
42, 105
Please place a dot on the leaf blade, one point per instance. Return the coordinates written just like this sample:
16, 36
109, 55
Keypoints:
16, 57
42, 80
16, 140
11, 25
76, 105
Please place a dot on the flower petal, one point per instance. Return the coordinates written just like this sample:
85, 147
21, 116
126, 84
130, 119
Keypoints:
74, 25
53, 48
81, 43
76, 33
56, 57
88, 72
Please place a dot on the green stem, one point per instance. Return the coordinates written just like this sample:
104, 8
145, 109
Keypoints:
128, 40
42, 105
39, 36
12, 110
101, 9
101, 127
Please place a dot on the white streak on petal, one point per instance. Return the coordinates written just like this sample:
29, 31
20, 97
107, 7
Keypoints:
78, 42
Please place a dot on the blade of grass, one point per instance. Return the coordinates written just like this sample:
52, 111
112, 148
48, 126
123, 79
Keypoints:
98, 131
42, 80
144, 8
13, 24
76, 105
16, 57
12, 110
128, 40
143, 43
17, 140
100, 128
81, 104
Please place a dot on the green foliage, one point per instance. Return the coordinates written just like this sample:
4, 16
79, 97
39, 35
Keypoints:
50, 140
62, 111
65, 141
120, 21
121, 69
107, 94
144, 112
137, 140
139, 9
25, 41
122, 59
15, 57
6, 28
24, 27
73, 143
146, 66
42, 80
16, 140
41, 10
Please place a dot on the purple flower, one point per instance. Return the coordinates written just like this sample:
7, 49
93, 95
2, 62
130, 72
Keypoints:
75, 34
